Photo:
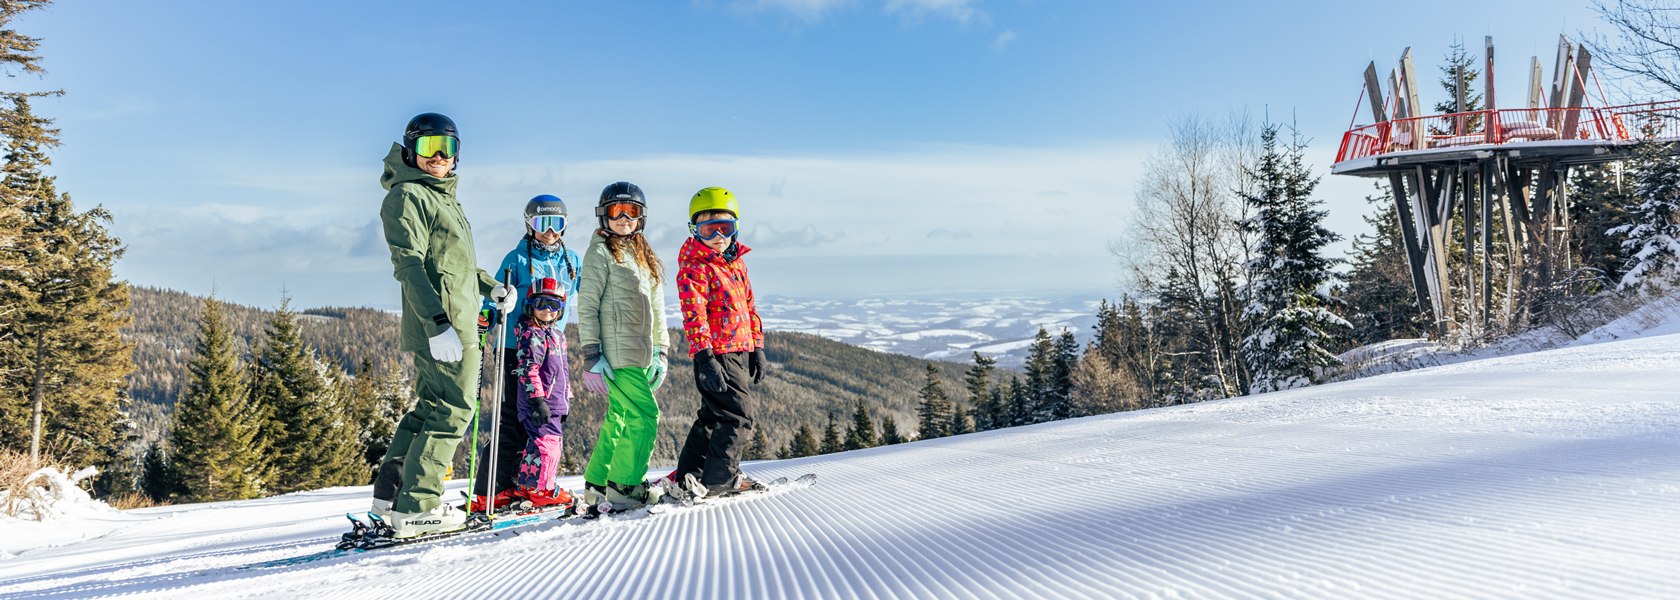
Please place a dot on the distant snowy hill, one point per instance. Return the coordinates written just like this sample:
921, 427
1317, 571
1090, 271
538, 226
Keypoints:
1552, 474
935, 328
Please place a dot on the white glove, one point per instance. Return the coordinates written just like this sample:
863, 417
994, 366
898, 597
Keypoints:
446, 346
505, 296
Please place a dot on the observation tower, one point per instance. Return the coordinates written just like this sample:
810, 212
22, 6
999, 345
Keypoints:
1470, 172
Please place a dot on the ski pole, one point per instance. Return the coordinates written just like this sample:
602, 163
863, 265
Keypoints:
478, 401
496, 410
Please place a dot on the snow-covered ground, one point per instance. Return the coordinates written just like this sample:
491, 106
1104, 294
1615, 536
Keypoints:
1550, 474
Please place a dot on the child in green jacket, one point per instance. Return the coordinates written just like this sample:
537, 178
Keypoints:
621, 326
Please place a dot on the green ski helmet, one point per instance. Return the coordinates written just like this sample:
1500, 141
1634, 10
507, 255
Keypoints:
713, 198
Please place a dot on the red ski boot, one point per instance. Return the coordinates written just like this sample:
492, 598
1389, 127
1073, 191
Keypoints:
503, 499
543, 499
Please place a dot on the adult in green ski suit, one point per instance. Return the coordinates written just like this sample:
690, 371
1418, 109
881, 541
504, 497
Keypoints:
621, 325
433, 259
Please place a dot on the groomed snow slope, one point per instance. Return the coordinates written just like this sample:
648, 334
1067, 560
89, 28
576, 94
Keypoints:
1553, 474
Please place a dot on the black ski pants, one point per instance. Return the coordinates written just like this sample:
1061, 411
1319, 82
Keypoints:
512, 433
722, 426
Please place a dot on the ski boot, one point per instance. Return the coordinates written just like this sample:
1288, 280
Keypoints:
502, 500
630, 497
544, 499
443, 519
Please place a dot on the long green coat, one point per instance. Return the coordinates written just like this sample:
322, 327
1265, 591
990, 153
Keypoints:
431, 254
621, 307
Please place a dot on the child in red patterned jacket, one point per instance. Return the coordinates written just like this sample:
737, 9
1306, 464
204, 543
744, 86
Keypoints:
726, 341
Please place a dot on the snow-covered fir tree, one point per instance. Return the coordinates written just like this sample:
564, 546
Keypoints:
1287, 302
1651, 238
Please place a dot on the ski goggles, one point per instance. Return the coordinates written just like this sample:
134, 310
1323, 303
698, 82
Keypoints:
541, 223
433, 145
545, 303
713, 229
621, 210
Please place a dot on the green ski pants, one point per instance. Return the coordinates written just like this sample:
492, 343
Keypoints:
627, 432
427, 436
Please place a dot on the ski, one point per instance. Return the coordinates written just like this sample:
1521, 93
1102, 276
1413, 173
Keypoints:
368, 533
693, 493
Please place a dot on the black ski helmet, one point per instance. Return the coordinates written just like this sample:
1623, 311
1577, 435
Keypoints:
618, 193
544, 205
426, 124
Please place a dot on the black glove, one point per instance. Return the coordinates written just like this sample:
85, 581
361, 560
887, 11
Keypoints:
708, 373
484, 321
538, 408
755, 365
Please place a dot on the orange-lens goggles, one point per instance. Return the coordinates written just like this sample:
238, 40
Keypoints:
624, 210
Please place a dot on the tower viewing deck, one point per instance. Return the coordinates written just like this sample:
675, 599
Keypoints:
1461, 178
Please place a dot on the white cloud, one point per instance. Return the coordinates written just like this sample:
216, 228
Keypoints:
1005, 39
965, 12
805, 11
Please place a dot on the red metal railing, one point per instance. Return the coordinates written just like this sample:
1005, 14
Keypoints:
1651, 120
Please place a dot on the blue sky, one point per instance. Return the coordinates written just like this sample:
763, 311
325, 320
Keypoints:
878, 146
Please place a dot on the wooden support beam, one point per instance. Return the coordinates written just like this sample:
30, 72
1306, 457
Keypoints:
1409, 238
1513, 247
1560, 83
1438, 250
1490, 129
1577, 93
1408, 80
1461, 124
1534, 77
1467, 185
1373, 90
1484, 171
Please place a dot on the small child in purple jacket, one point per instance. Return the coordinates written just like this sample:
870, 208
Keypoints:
546, 391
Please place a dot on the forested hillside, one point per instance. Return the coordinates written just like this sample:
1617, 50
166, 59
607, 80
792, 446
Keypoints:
810, 376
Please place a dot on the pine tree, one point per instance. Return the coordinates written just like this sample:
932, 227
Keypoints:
62, 354
1020, 403
831, 440
804, 443
1294, 328
862, 432
292, 396
1064, 359
934, 412
758, 448
889, 431
1041, 378
1381, 300
1598, 202
158, 479
1458, 58
998, 414
1651, 238
960, 423
978, 381
390, 400
339, 448
217, 450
